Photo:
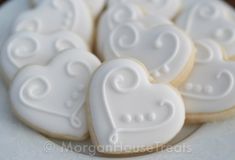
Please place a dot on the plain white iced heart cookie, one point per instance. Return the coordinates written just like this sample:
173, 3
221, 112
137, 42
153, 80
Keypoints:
27, 48
51, 99
165, 8
210, 19
95, 6
165, 50
209, 91
133, 112
55, 15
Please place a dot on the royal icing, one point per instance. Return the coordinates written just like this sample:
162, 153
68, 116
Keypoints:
27, 48
154, 41
51, 98
210, 19
55, 15
211, 85
116, 101
95, 6
165, 8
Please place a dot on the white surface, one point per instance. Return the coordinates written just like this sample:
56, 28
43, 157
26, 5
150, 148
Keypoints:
212, 141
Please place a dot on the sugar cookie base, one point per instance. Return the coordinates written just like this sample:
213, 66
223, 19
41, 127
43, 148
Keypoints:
197, 118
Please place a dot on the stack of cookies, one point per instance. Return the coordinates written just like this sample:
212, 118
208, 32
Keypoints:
129, 73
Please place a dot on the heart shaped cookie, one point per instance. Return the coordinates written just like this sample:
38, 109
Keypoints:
134, 113
51, 98
165, 8
166, 51
27, 48
209, 91
209, 19
55, 15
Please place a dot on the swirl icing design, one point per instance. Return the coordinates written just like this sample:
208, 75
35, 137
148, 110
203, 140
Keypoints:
51, 16
28, 48
122, 13
224, 74
39, 88
127, 37
63, 44
214, 23
212, 80
126, 80
166, 8
22, 48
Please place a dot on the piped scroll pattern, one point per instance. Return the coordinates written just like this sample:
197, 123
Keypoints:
206, 91
122, 84
22, 48
121, 14
39, 88
63, 44
209, 11
128, 36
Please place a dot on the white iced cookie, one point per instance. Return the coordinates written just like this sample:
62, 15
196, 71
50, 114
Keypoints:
95, 6
51, 98
55, 15
28, 48
211, 19
165, 8
135, 114
209, 91
165, 50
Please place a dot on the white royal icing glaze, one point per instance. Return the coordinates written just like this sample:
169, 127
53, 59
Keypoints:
27, 48
165, 8
211, 85
210, 19
95, 6
133, 112
54, 15
154, 41
51, 98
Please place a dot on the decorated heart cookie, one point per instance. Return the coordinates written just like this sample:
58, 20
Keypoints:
166, 51
209, 92
27, 48
55, 15
51, 98
165, 8
210, 19
95, 6
133, 112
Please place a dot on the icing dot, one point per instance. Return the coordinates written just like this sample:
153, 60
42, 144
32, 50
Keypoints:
224, 34
69, 104
198, 88
157, 74
127, 118
75, 95
189, 86
139, 118
209, 89
165, 69
158, 44
151, 116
